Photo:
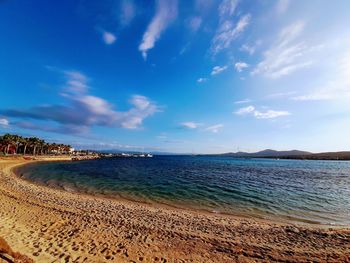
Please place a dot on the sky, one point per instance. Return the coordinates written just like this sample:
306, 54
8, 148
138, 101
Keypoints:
202, 76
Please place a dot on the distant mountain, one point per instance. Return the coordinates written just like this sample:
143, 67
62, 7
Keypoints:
344, 155
267, 153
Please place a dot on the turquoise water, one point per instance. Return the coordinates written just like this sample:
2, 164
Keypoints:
297, 190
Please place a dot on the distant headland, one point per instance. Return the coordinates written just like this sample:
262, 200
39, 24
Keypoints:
293, 154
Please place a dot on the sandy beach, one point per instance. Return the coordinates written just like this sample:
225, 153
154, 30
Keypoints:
50, 225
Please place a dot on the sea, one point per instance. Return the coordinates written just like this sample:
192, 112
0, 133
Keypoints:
305, 191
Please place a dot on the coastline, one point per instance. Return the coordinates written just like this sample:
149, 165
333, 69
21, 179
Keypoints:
257, 216
49, 224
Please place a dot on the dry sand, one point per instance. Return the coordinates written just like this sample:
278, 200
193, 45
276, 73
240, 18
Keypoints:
50, 225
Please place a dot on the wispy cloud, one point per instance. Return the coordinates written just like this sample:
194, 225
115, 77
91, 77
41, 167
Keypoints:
190, 125
245, 110
251, 48
227, 32
127, 12
217, 70
201, 80
243, 101
227, 8
282, 6
287, 54
76, 82
247, 48
215, 128
240, 66
108, 17
108, 37
195, 23
269, 114
82, 110
280, 95
166, 12
4, 122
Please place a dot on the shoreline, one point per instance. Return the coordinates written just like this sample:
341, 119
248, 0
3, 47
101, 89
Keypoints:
204, 212
257, 216
46, 224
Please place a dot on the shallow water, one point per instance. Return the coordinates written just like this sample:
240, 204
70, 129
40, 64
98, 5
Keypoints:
297, 190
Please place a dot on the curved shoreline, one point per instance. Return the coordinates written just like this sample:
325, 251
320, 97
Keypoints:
158, 204
47, 224
258, 216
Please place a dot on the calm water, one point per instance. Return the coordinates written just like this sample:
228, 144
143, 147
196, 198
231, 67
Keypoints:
307, 191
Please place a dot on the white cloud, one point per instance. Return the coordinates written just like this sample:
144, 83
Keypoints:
249, 49
76, 82
4, 122
227, 8
195, 23
240, 66
108, 37
143, 108
228, 32
201, 80
166, 13
217, 70
242, 101
215, 128
190, 125
282, 6
82, 110
245, 110
287, 54
127, 12
280, 95
269, 114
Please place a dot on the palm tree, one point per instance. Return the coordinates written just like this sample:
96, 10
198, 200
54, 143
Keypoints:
41, 144
1, 143
46, 147
25, 143
34, 142
18, 141
8, 140
35, 145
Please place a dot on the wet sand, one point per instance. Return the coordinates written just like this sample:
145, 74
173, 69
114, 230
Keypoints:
51, 225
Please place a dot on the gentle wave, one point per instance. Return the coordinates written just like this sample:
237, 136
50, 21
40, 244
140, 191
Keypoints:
306, 191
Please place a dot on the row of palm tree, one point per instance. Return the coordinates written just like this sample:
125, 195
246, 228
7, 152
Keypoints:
15, 144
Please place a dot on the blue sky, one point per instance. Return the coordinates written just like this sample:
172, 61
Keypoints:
198, 76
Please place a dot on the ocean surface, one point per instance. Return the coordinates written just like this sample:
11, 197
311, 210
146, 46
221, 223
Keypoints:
316, 192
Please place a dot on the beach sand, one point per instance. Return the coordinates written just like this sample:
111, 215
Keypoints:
50, 225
